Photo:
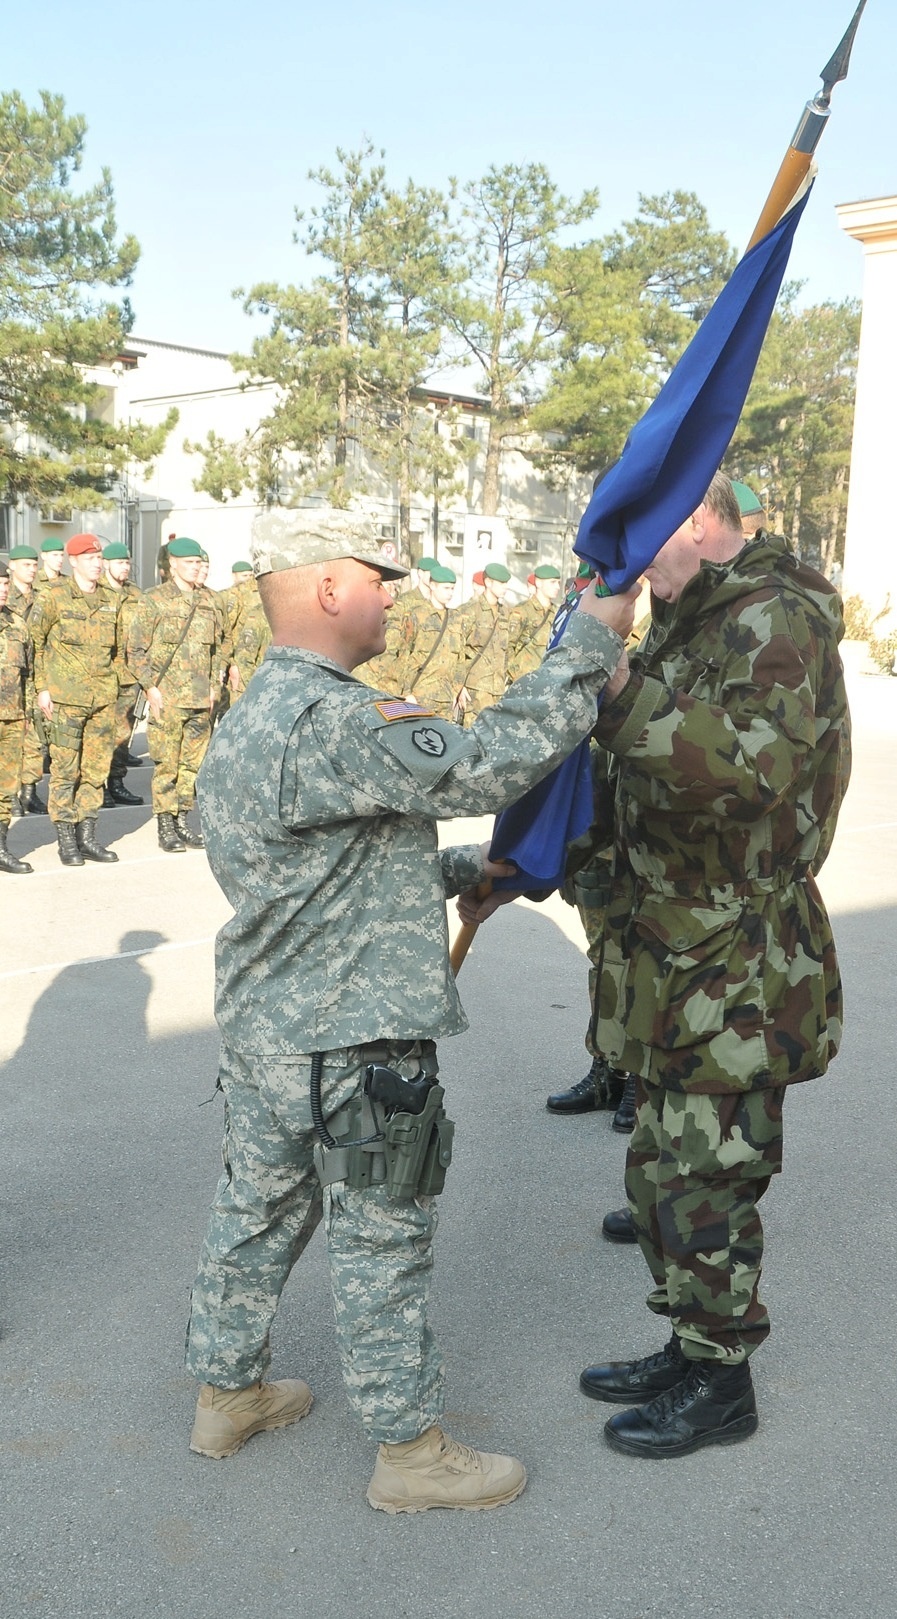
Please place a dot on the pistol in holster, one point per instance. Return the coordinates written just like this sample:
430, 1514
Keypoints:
395, 1134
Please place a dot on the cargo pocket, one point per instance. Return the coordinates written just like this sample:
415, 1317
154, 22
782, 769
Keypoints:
692, 973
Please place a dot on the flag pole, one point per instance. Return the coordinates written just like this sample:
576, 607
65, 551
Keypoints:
797, 163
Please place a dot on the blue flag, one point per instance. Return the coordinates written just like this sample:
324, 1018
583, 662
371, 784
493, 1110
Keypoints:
664, 472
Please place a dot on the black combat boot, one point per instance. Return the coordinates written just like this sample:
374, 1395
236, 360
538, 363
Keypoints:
134, 761
67, 838
624, 1118
108, 800
169, 837
116, 790
581, 1097
193, 840
629, 1382
8, 862
713, 1405
87, 843
30, 800
619, 1226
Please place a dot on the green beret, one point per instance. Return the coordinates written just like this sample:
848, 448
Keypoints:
546, 571
52, 544
426, 564
184, 548
205, 557
240, 567
442, 576
23, 553
116, 552
749, 504
496, 570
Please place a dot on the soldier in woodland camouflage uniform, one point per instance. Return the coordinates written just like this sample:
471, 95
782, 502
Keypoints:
172, 648
432, 650
77, 640
253, 640
23, 598
485, 627
319, 802
529, 623
17, 698
52, 553
117, 564
387, 672
729, 752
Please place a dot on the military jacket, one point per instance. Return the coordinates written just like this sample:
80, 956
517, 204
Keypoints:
730, 755
76, 636
23, 606
319, 803
253, 638
180, 629
129, 598
17, 695
485, 631
431, 656
529, 627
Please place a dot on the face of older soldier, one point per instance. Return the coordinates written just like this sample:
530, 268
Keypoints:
364, 602
119, 570
678, 560
23, 572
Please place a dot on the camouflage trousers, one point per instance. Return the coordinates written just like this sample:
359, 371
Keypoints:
11, 732
81, 741
696, 1169
125, 706
266, 1208
177, 745
32, 756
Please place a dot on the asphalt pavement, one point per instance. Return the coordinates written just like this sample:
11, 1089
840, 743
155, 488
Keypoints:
109, 1145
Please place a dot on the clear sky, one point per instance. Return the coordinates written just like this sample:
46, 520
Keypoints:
210, 114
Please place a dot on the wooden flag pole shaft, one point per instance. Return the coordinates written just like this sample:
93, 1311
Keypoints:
467, 932
791, 176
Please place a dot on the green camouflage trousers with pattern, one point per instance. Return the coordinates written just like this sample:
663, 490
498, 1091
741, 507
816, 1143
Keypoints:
11, 732
177, 746
267, 1205
696, 1169
81, 743
125, 706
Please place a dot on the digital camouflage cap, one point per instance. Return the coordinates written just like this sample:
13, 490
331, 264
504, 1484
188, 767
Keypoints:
302, 536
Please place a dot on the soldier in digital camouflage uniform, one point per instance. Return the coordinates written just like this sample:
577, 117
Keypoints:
117, 566
319, 801
24, 563
172, 647
432, 649
485, 628
729, 752
17, 698
77, 639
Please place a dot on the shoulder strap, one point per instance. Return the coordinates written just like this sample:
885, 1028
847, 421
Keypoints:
428, 659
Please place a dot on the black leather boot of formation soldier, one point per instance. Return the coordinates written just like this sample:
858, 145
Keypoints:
90, 848
30, 799
629, 1382
67, 838
713, 1405
619, 1226
193, 840
134, 761
8, 862
624, 1118
169, 836
118, 793
581, 1097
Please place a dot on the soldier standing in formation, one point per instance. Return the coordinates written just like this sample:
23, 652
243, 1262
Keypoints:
117, 564
172, 648
23, 597
17, 699
252, 641
431, 651
529, 623
77, 641
484, 629
52, 552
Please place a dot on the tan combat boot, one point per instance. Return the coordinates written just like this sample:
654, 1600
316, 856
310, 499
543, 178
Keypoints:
226, 1418
434, 1471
